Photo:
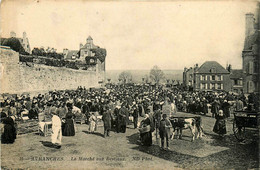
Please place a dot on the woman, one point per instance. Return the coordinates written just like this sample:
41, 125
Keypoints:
220, 125
9, 133
68, 127
145, 131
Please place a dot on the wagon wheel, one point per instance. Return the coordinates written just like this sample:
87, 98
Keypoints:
239, 131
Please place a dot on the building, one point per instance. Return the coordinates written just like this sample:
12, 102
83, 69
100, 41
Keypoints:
90, 56
70, 54
251, 55
188, 76
211, 76
85, 50
236, 77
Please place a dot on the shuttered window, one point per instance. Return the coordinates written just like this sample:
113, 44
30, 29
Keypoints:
250, 67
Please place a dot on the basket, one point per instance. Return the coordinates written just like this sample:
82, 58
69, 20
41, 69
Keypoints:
145, 129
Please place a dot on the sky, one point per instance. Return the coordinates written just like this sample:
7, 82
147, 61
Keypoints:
137, 35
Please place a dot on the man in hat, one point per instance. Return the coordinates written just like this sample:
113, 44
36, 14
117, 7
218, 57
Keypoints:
164, 130
107, 119
56, 130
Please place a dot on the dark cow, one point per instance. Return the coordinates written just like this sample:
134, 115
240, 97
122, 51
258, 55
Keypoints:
180, 123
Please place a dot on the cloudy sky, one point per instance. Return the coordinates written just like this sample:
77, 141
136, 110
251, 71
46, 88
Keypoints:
137, 35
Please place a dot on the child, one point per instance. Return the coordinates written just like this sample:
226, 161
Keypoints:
220, 125
164, 130
92, 123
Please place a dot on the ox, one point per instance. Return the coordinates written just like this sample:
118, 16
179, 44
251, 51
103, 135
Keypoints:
180, 123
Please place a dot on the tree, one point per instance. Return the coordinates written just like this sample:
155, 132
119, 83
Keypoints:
14, 44
125, 76
156, 74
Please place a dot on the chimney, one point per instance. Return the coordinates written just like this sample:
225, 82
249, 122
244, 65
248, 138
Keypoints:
24, 34
250, 23
12, 34
229, 67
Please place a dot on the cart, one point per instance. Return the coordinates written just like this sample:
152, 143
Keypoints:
243, 120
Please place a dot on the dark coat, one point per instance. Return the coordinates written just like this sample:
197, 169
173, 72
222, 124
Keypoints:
68, 128
9, 134
107, 119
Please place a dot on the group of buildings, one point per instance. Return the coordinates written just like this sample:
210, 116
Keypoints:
211, 76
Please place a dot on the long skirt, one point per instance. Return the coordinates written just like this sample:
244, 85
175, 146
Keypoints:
220, 127
9, 134
146, 138
68, 129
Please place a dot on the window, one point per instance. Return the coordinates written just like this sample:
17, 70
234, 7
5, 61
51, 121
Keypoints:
255, 67
213, 70
250, 67
190, 76
235, 82
213, 85
203, 86
203, 77
219, 86
213, 77
250, 87
219, 77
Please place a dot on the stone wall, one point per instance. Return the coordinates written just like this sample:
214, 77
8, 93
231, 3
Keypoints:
19, 77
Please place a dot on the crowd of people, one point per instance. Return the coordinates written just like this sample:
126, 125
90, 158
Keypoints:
117, 105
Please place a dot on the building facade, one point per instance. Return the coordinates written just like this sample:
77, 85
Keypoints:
251, 55
236, 77
211, 76
87, 56
188, 76
85, 50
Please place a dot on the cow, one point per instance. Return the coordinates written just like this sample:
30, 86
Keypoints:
180, 123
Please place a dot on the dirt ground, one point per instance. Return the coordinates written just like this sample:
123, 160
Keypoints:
122, 150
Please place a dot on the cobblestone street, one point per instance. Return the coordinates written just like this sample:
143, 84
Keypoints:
123, 150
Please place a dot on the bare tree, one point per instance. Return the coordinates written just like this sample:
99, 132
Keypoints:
156, 74
125, 76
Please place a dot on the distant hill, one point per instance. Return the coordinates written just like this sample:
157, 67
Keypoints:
137, 75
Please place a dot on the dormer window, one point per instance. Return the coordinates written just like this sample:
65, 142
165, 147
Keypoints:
213, 70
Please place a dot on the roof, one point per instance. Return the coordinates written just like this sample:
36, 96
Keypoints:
208, 65
236, 74
93, 46
89, 38
71, 53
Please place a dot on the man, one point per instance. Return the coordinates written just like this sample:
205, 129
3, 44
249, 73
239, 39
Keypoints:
135, 116
164, 130
107, 119
123, 112
215, 106
56, 130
